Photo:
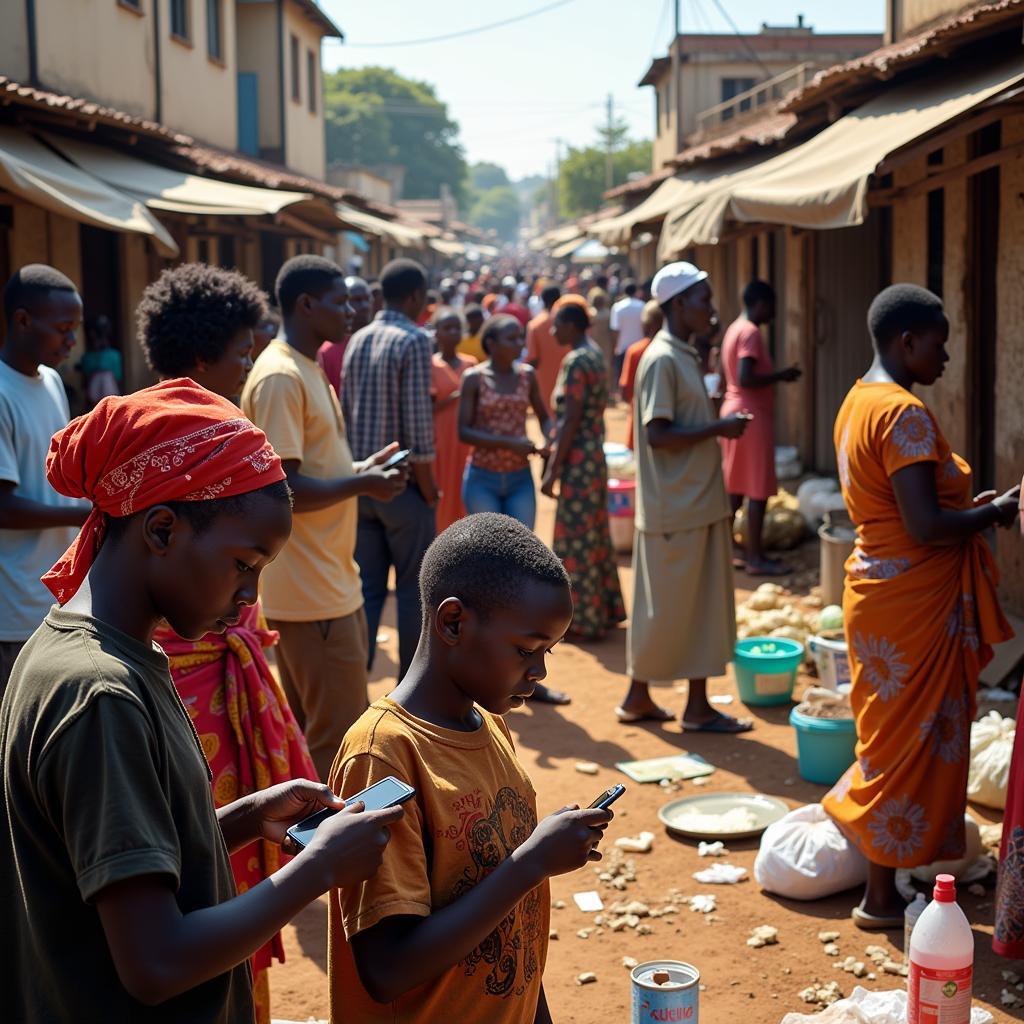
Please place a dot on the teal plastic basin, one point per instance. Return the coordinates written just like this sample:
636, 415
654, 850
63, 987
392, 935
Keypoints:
825, 746
766, 669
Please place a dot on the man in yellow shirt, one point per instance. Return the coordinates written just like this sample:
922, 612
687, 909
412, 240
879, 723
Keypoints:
312, 594
471, 345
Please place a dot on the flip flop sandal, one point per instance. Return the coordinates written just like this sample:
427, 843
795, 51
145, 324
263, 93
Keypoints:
724, 724
870, 923
629, 717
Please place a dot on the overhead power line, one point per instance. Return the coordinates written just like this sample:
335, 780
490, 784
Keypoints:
742, 38
466, 31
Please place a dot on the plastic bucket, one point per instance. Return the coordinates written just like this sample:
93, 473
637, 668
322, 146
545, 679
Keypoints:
836, 547
621, 506
825, 746
832, 658
766, 669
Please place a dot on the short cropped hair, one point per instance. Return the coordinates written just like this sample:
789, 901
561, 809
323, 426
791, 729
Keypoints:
447, 313
494, 326
400, 278
32, 284
191, 312
574, 314
201, 515
758, 291
629, 287
474, 309
550, 295
304, 275
485, 560
902, 307
652, 314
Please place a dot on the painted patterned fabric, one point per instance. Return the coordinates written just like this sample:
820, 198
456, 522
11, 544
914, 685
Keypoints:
1008, 937
920, 621
248, 732
582, 540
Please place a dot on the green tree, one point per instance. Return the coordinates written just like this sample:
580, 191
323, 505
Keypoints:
375, 116
497, 209
484, 175
581, 180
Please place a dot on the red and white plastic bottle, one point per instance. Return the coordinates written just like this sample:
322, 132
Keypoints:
941, 961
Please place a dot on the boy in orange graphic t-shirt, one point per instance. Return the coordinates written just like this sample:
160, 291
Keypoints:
455, 923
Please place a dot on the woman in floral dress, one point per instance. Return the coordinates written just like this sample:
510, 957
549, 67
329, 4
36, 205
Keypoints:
920, 606
582, 539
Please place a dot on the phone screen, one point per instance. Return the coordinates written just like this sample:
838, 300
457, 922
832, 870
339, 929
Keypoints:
381, 794
397, 458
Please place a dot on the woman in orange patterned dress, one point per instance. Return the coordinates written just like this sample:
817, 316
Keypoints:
445, 389
198, 321
920, 606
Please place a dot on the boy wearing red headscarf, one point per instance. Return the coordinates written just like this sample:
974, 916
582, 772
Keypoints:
114, 868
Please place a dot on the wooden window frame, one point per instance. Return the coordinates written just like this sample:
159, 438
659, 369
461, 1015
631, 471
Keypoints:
312, 78
220, 58
132, 7
177, 37
295, 68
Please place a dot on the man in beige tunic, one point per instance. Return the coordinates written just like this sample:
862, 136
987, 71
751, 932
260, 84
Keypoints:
683, 624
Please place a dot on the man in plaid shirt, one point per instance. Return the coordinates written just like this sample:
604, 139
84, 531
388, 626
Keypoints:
386, 394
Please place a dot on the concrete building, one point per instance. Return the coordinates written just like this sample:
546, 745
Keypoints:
709, 83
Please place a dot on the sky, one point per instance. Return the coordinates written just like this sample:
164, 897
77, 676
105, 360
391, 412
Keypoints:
515, 90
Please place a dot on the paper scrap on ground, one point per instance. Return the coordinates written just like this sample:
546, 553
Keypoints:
721, 698
763, 935
587, 767
636, 844
704, 904
877, 1007
738, 819
716, 849
589, 902
678, 766
721, 874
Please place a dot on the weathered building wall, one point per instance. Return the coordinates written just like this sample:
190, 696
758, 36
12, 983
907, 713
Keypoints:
304, 129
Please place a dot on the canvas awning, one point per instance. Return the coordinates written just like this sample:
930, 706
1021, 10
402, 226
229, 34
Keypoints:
447, 247
162, 188
823, 183
559, 252
556, 237
31, 170
402, 235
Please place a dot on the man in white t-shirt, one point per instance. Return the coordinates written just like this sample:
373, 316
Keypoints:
43, 312
626, 325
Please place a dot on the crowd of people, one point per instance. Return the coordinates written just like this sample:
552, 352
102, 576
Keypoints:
220, 545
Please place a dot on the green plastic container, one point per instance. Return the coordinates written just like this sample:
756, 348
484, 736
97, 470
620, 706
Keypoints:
825, 746
766, 669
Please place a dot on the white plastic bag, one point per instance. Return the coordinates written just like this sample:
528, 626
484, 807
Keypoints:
991, 751
805, 857
864, 1007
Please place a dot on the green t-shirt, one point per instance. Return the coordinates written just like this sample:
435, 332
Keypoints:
103, 779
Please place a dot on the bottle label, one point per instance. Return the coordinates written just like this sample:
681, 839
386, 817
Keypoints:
939, 997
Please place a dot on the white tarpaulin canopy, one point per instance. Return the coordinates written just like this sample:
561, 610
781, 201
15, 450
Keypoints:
823, 183
402, 235
34, 172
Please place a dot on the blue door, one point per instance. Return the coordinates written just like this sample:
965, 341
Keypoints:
248, 113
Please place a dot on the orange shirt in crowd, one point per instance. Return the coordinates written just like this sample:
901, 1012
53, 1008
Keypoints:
544, 352
627, 380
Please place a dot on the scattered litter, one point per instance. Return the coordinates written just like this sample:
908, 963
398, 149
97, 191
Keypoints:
589, 902
587, 767
876, 954
721, 698
629, 962
617, 871
558, 905
553, 934
830, 949
872, 976
1011, 976
1008, 998
716, 849
828, 937
644, 929
705, 904
586, 978
820, 995
721, 874
636, 844
853, 966
976, 889
889, 1007
584, 933
677, 766
763, 935
891, 967
632, 907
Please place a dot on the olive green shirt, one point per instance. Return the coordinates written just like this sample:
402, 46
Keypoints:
103, 780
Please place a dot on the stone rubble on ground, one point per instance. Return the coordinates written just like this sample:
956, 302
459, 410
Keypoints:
826, 937
892, 967
558, 905
584, 933
851, 965
830, 950
701, 780
553, 935
1011, 976
636, 844
1008, 998
704, 904
716, 849
822, 995
876, 954
587, 767
586, 978
763, 935
629, 962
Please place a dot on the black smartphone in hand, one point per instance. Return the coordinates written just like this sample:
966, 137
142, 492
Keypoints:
397, 459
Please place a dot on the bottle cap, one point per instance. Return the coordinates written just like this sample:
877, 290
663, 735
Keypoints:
945, 889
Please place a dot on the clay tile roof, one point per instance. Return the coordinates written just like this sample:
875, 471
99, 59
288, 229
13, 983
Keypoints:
43, 99
771, 128
648, 181
967, 26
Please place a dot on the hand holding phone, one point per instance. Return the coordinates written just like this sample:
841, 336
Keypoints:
397, 459
351, 842
609, 796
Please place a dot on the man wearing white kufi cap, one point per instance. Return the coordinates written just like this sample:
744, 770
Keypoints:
683, 624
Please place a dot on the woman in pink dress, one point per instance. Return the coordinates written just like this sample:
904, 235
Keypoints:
750, 379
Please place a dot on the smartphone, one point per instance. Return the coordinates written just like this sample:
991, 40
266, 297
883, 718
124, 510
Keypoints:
397, 459
608, 797
386, 793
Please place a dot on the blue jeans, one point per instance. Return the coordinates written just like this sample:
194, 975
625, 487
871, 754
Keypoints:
512, 494
394, 533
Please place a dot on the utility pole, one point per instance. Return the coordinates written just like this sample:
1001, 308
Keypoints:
676, 91
609, 163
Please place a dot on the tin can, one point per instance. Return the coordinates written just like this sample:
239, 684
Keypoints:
665, 990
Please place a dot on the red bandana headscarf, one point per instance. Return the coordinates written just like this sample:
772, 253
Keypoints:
175, 441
